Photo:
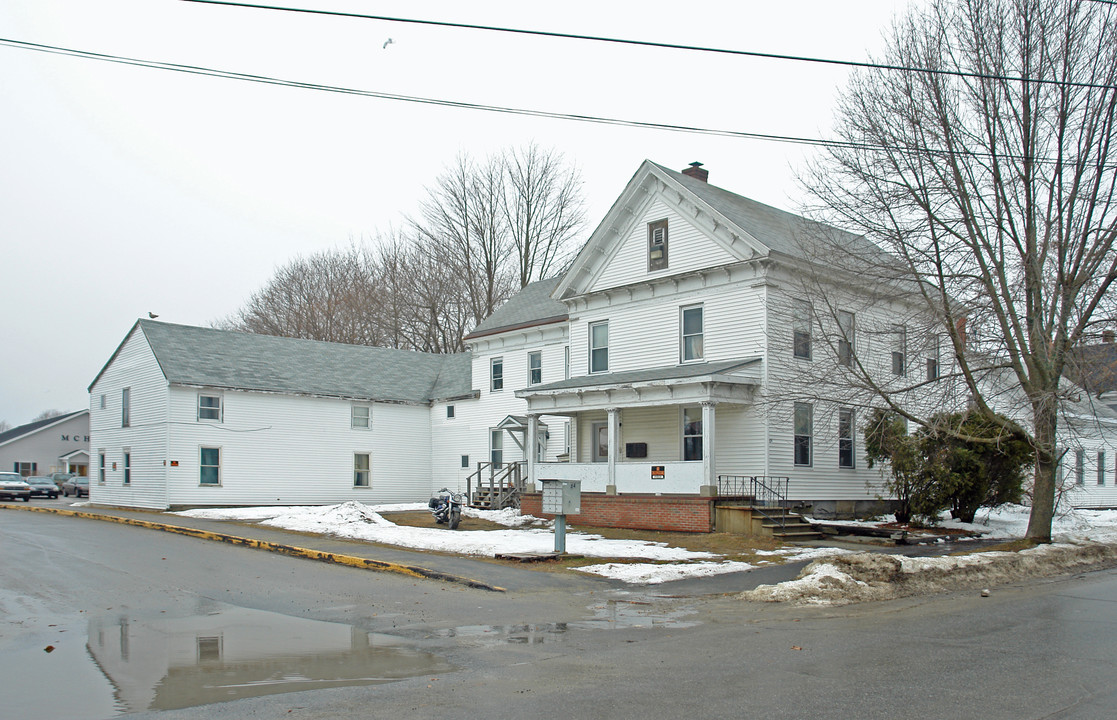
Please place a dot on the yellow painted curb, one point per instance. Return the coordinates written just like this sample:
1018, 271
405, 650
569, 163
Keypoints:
293, 551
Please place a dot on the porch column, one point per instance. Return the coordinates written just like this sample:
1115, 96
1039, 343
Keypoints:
530, 450
709, 470
614, 449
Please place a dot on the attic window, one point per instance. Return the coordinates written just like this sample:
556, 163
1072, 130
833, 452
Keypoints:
657, 245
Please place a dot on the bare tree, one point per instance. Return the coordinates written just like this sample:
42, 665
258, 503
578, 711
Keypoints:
543, 208
47, 415
324, 296
989, 175
5, 426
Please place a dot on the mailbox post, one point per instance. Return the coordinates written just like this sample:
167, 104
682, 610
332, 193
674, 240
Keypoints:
561, 498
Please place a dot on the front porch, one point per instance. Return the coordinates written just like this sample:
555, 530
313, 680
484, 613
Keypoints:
653, 431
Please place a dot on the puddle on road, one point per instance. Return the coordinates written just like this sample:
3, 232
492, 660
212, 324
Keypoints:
611, 614
117, 664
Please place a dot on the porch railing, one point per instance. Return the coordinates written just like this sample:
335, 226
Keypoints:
768, 493
496, 485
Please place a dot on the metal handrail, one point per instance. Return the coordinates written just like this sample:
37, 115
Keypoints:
766, 491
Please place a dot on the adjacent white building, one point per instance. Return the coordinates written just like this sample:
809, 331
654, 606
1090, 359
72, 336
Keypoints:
667, 361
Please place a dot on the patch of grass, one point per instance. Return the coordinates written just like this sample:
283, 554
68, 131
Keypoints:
1007, 546
732, 547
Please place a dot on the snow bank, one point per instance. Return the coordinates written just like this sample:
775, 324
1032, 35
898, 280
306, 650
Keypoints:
872, 576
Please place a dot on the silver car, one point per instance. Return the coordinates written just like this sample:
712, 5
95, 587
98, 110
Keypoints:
12, 487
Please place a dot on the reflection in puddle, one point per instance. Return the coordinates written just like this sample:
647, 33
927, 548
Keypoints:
168, 663
164, 663
607, 615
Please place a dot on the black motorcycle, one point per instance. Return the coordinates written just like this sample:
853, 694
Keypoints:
446, 506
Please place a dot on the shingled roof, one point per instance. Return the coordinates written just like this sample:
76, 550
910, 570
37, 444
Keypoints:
18, 432
206, 357
533, 305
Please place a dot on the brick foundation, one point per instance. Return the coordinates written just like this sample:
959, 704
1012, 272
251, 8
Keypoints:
674, 513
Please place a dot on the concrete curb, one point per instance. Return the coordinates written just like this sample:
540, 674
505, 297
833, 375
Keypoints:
290, 550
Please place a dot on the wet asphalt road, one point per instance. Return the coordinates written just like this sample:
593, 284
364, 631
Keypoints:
138, 618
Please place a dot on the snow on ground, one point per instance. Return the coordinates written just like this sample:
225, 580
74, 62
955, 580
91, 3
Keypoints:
835, 576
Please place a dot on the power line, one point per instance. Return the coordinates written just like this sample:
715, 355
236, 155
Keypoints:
268, 80
460, 104
663, 45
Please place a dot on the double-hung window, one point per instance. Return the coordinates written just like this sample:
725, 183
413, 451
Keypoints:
801, 329
534, 368
899, 350
496, 374
599, 347
101, 467
362, 473
1101, 467
845, 438
691, 344
127, 466
933, 359
360, 417
1080, 467
692, 433
210, 464
847, 329
496, 447
126, 407
804, 430
209, 407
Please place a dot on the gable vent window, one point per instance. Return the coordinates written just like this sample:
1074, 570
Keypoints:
657, 245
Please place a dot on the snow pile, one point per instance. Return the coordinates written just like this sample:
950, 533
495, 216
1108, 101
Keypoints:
356, 521
859, 577
653, 573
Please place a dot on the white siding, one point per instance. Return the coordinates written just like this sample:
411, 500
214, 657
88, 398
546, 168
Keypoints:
292, 450
134, 367
688, 249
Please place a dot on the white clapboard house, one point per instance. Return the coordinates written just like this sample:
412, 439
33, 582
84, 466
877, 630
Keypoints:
666, 365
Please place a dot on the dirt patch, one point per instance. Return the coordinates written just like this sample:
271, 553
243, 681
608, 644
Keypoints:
870, 576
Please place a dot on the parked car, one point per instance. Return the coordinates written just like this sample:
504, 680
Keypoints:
42, 486
76, 486
12, 487
61, 477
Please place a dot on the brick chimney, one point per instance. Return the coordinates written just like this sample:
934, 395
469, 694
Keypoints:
695, 171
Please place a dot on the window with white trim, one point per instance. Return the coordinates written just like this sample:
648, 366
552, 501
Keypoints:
801, 317
847, 329
692, 433
496, 374
101, 467
1080, 467
599, 347
25, 469
933, 359
127, 466
534, 367
465, 462
450, 412
1101, 467
360, 417
362, 472
209, 407
804, 433
496, 447
690, 325
899, 350
846, 445
657, 245
209, 463
126, 407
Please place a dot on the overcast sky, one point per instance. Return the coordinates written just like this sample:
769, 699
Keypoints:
126, 190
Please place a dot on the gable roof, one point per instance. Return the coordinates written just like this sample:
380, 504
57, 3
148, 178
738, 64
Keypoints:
751, 229
225, 359
533, 305
33, 427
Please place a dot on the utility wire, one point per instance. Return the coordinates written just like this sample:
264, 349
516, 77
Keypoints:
664, 45
642, 124
267, 80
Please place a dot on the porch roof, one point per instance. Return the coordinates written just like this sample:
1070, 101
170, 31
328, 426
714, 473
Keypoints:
725, 381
